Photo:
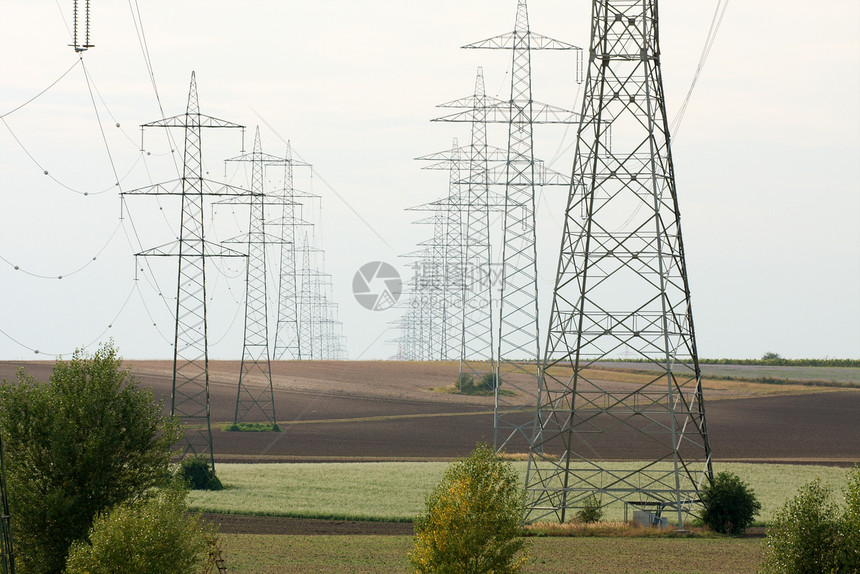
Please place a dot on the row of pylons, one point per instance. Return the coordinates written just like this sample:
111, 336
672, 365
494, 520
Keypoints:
620, 288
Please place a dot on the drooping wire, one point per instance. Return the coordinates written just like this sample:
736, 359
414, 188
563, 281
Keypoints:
91, 343
711, 37
99, 120
330, 187
51, 176
70, 273
144, 47
51, 85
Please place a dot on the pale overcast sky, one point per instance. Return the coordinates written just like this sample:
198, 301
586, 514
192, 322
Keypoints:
767, 157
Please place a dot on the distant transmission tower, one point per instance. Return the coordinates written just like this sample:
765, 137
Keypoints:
189, 399
439, 269
518, 355
286, 341
256, 399
471, 276
621, 291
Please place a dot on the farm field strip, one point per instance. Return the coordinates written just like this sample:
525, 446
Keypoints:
396, 491
738, 386
286, 554
849, 375
377, 418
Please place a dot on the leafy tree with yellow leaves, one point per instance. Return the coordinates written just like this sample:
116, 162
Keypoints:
472, 520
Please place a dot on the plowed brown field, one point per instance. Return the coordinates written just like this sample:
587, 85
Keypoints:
378, 410
383, 410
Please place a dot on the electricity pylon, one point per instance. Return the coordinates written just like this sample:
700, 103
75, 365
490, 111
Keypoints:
621, 290
439, 271
518, 355
474, 337
189, 400
257, 398
286, 340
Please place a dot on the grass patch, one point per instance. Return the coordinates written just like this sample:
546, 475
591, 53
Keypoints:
472, 391
395, 491
385, 491
270, 554
251, 427
611, 530
735, 382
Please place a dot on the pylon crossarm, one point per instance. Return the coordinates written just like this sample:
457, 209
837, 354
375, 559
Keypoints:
512, 40
202, 121
504, 113
462, 154
176, 187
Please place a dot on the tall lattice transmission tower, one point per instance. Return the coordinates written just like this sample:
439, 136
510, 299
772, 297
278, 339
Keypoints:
621, 290
518, 355
437, 284
286, 341
255, 396
469, 229
189, 400
482, 166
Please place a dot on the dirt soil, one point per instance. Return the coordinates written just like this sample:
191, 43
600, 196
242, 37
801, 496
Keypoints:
386, 410
239, 524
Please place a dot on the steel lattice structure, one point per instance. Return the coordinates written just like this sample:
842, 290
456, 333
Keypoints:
252, 399
470, 277
471, 209
286, 341
621, 291
189, 399
518, 355
438, 282
320, 333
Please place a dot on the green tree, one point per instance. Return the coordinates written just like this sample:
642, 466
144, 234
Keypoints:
152, 535
591, 511
75, 446
730, 504
472, 521
805, 536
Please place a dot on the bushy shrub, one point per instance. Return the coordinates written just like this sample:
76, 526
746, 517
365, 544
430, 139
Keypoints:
465, 382
849, 554
591, 511
252, 427
805, 537
472, 520
730, 504
489, 381
198, 475
153, 535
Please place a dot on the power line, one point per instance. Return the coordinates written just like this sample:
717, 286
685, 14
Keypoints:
52, 84
710, 38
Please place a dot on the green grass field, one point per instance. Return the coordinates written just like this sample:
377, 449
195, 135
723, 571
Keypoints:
395, 491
